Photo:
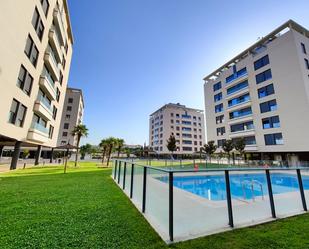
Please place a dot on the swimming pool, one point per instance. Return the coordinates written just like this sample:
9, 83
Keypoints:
243, 186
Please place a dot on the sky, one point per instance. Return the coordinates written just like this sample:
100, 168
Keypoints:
130, 57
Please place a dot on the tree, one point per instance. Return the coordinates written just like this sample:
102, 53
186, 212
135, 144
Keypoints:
104, 145
228, 146
26, 153
85, 149
210, 148
112, 142
79, 131
119, 144
240, 145
171, 144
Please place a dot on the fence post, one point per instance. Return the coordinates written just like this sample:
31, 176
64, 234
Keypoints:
119, 169
171, 207
132, 181
228, 198
301, 189
144, 189
124, 175
115, 169
270, 192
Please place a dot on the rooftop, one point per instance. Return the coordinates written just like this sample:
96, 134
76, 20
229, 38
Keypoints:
177, 105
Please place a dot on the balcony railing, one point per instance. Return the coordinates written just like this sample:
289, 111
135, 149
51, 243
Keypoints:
45, 102
49, 79
39, 127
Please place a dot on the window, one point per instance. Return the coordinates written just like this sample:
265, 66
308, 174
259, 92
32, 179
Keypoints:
69, 108
266, 90
268, 106
218, 97
17, 113
236, 75
187, 148
63, 63
172, 121
219, 108
239, 100
186, 129
57, 94
237, 87
31, 51
186, 116
217, 86
261, 62
70, 100
273, 139
240, 113
187, 135
242, 127
248, 140
51, 132
45, 6
306, 63
54, 112
25, 80
186, 141
64, 134
172, 114
271, 122
261, 77
186, 122
66, 126
220, 131
61, 78
37, 23
67, 117
220, 142
177, 115
194, 117
63, 142
303, 47
220, 119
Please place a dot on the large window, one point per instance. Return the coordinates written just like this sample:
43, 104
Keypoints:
187, 148
186, 135
220, 131
31, 51
271, 122
186, 122
266, 90
45, 6
66, 126
218, 97
236, 75
242, 127
239, 100
24, 81
186, 141
273, 139
237, 87
261, 62
220, 119
303, 48
268, 106
240, 113
220, 142
186, 129
261, 77
248, 140
17, 113
219, 108
217, 86
306, 63
51, 132
38, 24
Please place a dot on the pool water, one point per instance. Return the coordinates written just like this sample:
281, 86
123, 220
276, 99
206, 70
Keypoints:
243, 186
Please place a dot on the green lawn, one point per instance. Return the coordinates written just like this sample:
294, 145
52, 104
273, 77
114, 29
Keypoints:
43, 208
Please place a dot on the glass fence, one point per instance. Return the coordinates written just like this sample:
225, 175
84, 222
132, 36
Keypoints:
182, 201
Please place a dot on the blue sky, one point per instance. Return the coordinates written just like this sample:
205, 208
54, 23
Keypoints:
132, 56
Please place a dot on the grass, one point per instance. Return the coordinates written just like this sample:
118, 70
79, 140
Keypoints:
43, 208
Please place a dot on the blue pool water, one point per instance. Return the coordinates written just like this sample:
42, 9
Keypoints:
243, 186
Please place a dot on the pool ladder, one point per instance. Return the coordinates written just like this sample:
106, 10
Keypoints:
252, 183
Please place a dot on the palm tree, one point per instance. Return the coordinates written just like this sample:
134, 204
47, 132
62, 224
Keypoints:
79, 131
112, 142
104, 145
120, 144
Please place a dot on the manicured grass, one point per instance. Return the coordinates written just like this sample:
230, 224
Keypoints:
43, 208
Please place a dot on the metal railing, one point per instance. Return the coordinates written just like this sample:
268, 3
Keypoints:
122, 167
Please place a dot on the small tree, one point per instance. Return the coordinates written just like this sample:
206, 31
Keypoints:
26, 153
79, 131
210, 148
171, 144
228, 146
85, 149
240, 145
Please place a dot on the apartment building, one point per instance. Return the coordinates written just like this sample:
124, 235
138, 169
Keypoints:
72, 115
262, 95
36, 50
186, 124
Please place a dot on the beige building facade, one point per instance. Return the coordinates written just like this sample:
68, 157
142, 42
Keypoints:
186, 124
72, 115
262, 95
36, 50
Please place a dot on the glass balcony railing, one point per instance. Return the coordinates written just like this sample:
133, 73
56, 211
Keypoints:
39, 127
50, 80
52, 55
53, 28
45, 102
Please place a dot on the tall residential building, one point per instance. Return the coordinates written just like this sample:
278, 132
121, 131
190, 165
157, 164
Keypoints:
262, 95
186, 124
36, 50
72, 115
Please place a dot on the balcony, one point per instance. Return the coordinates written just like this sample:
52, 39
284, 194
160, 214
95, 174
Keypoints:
59, 23
51, 62
248, 132
48, 85
43, 107
54, 40
38, 133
